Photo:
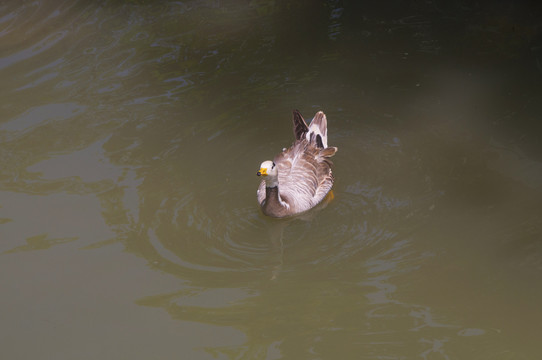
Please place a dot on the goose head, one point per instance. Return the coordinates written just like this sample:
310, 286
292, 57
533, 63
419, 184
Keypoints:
268, 168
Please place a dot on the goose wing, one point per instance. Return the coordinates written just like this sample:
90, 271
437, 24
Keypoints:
315, 133
300, 126
305, 175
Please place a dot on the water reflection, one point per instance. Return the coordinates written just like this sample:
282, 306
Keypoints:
137, 126
39, 242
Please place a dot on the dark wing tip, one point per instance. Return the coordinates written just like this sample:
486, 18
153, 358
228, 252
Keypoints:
300, 126
319, 142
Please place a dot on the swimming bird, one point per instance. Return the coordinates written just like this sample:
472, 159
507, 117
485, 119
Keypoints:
299, 177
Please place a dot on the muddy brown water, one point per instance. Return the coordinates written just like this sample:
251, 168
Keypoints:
130, 135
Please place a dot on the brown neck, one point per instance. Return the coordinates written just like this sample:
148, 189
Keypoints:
272, 196
273, 205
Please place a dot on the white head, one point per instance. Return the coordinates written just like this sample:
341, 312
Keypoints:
269, 171
268, 168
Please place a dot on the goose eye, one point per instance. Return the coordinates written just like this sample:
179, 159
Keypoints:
273, 166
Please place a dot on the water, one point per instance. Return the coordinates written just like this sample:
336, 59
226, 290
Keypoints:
130, 136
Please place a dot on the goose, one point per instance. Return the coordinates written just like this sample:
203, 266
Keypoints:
300, 177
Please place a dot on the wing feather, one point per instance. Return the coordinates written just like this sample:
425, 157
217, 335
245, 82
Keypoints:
300, 126
304, 175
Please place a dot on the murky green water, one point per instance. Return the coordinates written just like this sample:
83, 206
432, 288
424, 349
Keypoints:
130, 134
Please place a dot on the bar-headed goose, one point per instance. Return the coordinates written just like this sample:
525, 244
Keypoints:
299, 177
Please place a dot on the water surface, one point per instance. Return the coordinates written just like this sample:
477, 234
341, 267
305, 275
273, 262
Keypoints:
130, 134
